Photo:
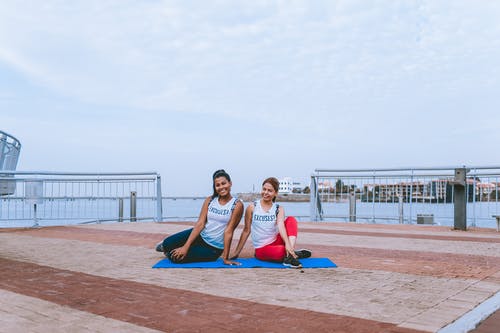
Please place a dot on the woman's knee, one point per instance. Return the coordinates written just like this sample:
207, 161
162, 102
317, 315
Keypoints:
176, 240
270, 253
291, 226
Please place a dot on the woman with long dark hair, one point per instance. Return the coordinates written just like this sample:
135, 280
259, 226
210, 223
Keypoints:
273, 236
213, 232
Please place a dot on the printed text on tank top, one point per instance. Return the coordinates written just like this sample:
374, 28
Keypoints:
218, 216
264, 228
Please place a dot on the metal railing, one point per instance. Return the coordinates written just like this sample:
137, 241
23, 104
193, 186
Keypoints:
10, 147
406, 195
52, 198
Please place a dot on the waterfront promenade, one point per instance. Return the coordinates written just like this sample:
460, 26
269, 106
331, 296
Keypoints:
391, 278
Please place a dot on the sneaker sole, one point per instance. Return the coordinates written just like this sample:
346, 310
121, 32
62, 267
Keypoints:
307, 254
292, 266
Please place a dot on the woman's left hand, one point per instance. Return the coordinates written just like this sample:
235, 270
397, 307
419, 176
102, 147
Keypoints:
291, 251
178, 253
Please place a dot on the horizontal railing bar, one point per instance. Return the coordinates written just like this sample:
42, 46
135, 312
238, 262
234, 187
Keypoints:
484, 174
95, 174
49, 198
116, 219
379, 176
183, 198
80, 180
406, 169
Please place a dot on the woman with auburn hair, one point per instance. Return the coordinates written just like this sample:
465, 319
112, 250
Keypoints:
212, 235
273, 236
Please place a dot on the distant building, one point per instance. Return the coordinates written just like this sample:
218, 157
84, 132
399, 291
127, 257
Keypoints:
287, 185
435, 190
325, 186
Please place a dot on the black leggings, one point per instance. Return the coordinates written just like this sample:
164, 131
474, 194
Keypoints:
199, 250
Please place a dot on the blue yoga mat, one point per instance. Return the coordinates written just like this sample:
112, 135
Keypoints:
247, 263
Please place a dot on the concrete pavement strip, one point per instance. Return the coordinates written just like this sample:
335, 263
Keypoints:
390, 279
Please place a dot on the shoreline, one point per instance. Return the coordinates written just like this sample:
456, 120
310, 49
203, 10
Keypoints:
292, 197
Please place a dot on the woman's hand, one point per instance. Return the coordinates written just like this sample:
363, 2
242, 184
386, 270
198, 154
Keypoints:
179, 253
291, 251
231, 263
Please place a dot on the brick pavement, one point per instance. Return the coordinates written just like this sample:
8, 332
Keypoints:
398, 278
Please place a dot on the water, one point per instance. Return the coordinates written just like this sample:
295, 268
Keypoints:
62, 211
17, 213
479, 214
190, 209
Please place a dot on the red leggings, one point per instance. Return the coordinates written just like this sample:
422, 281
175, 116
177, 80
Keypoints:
276, 250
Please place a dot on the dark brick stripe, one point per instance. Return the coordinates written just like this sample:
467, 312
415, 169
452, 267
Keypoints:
435, 264
407, 262
403, 235
103, 236
170, 309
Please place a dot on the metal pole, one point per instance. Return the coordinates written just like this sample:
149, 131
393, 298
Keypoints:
35, 219
159, 207
120, 210
352, 207
460, 199
411, 198
312, 200
474, 185
133, 206
400, 209
373, 198
318, 204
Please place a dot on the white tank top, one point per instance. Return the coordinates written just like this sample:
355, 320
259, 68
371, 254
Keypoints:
264, 226
218, 217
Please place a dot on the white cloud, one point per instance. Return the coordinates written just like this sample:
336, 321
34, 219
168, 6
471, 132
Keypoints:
154, 54
350, 75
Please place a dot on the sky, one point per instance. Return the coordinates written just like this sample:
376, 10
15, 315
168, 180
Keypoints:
258, 88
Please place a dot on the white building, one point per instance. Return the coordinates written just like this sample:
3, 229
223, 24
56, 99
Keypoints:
287, 185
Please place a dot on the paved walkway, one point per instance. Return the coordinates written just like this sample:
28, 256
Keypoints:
391, 278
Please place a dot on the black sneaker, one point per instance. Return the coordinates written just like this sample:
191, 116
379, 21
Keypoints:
291, 262
159, 247
303, 253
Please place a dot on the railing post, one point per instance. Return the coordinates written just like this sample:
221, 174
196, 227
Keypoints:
120, 210
373, 196
35, 218
33, 191
133, 206
460, 199
159, 204
312, 200
410, 221
474, 193
400, 209
352, 207
315, 201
